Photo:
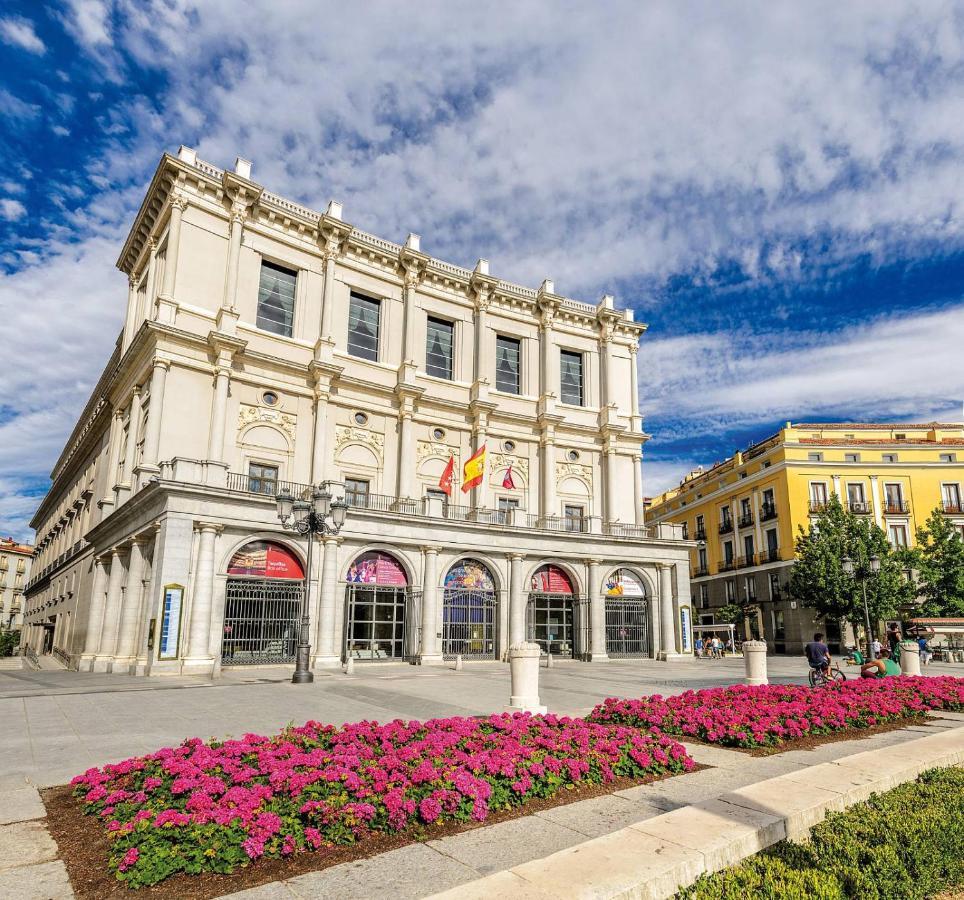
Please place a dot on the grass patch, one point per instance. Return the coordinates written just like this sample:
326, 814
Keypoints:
907, 843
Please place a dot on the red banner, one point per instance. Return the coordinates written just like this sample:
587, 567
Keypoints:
376, 568
266, 560
551, 580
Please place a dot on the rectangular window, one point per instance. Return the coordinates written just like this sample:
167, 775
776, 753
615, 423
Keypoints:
818, 495
748, 548
894, 497
704, 596
438, 348
898, 536
276, 298
262, 479
724, 516
570, 377
364, 323
815, 457
852, 457
855, 494
505, 507
948, 457
774, 585
686, 532
508, 355
951, 495
728, 552
574, 518
750, 588
702, 559
730, 592
771, 540
889, 457
356, 492
779, 628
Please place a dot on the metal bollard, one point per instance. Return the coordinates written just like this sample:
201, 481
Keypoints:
524, 670
755, 662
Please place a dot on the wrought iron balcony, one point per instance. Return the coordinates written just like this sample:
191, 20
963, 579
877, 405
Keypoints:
743, 562
701, 571
727, 565
768, 511
700, 534
896, 509
953, 509
817, 506
768, 556
746, 520
726, 526
860, 507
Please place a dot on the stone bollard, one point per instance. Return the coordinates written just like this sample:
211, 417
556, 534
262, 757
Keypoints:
909, 658
350, 666
458, 663
755, 662
548, 660
524, 668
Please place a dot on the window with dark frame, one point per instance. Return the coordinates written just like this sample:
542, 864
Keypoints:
357, 492
505, 507
438, 347
573, 516
508, 355
262, 479
276, 298
570, 377
364, 324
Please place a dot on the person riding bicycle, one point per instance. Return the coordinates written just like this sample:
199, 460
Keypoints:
818, 654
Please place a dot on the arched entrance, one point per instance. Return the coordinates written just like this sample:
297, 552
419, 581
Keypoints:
261, 605
556, 619
627, 615
468, 612
378, 609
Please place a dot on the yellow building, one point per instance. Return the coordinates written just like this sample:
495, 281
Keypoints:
745, 512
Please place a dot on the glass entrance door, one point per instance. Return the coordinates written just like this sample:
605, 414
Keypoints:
375, 622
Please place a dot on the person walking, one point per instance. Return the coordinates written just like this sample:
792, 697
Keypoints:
893, 638
877, 647
925, 652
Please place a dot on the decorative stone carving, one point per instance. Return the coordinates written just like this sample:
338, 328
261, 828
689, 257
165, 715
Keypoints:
427, 449
578, 470
251, 415
519, 464
352, 434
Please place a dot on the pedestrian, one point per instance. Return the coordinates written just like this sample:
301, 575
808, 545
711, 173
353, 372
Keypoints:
717, 648
925, 652
699, 648
729, 646
893, 637
876, 646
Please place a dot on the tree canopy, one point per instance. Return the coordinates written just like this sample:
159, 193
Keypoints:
938, 559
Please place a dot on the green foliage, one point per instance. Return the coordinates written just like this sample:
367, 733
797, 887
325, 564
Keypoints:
9, 641
907, 843
818, 580
938, 559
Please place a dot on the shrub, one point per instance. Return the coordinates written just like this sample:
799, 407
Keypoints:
907, 843
216, 806
769, 715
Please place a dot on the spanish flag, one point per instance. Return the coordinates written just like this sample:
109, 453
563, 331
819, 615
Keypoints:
474, 470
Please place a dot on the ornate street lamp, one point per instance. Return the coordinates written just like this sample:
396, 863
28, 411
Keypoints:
309, 518
874, 567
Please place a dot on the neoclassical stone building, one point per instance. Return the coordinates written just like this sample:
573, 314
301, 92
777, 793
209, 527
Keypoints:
267, 347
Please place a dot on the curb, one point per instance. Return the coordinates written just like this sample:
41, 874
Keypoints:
653, 859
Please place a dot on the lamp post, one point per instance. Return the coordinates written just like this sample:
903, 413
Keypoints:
309, 518
850, 569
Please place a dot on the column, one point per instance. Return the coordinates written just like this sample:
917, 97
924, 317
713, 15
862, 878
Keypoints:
126, 487
875, 499
130, 322
611, 484
151, 279
548, 479
481, 356
112, 608
406, 371
667, 615
113, 456
328, 640
198, 654
219, 411
597, 612
234, 255
152, 435
517, 600
640, 510
429, 651
95, 618
635, 417
166, 305
406, 452
480, 492
325, 344
836, 487
319, 446
757, 525
131, 608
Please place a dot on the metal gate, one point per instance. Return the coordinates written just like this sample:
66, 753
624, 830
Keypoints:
468, 624
627, 627
381, 623
260, 621
559, 624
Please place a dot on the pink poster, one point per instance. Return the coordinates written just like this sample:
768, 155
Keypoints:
376, 568
266, 560
551, 580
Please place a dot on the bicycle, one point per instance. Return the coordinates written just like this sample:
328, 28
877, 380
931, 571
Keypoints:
821, 677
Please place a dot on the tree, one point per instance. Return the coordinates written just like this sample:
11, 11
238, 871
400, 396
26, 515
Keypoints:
818, 580
938, 560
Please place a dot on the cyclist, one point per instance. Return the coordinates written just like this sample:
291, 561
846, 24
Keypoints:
818, 654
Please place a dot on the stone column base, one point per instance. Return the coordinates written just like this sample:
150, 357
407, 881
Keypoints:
123, 666
102, 664
86, 663
326, 662
598, 657
203, 666
434, 659
532, 710
663, 656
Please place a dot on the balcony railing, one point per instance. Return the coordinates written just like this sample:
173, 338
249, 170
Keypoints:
726, 526
700, 534
768, 511
768, 556
433, 508
743, 561
896, 509
860, 507
817, 507
953, 509
727, 565
746, 520
700, 571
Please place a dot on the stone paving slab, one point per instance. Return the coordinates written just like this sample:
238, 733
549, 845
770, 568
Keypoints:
275, 890
44, 881
601, 815
801, 806
24, 844
21, 805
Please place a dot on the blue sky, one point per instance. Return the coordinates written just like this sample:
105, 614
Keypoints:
776, 188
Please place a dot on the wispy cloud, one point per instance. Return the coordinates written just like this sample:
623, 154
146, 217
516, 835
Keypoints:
19, 32
11, 210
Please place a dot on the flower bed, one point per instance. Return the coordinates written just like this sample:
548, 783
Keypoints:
770, 715
217, 806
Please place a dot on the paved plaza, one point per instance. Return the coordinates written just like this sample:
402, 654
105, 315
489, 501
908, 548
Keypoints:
58, 723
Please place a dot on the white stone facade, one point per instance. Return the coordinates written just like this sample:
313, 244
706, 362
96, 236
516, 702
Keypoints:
201, 414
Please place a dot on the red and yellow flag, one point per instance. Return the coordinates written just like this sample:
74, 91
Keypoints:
474, 470
445, 482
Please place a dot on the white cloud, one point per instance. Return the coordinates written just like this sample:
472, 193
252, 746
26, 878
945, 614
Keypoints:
60, 130
11, 210
16, 109
20, 32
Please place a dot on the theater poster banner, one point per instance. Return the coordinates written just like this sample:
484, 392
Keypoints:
551, 580
171, 621
623, 583
376, 568
469, 575
685, 629
265, 559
